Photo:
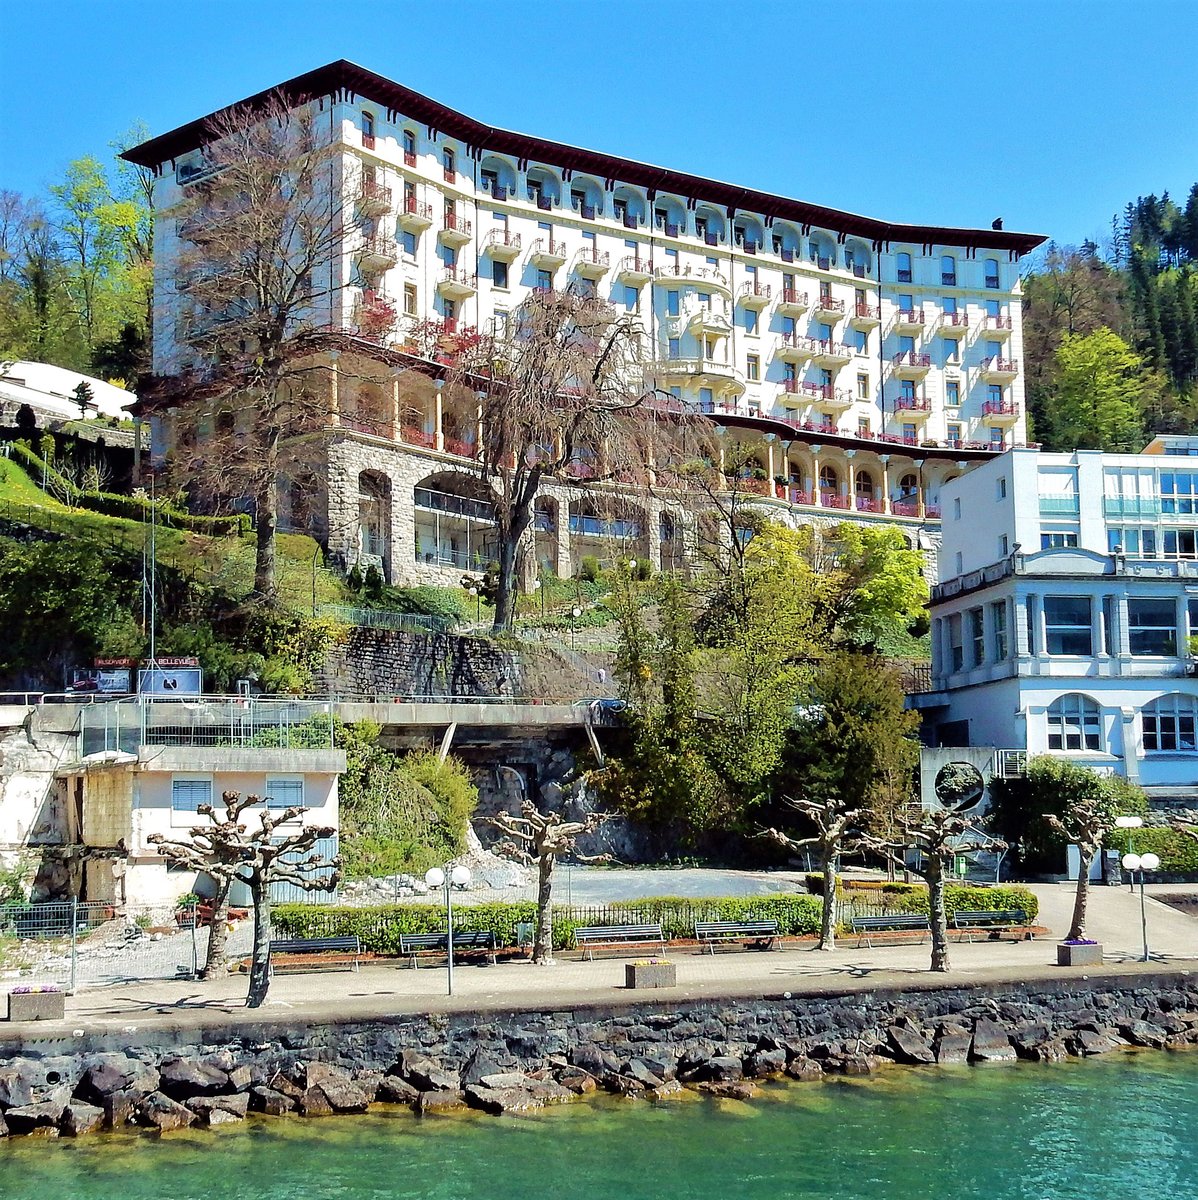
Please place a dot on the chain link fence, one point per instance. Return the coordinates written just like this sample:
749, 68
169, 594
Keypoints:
76, 945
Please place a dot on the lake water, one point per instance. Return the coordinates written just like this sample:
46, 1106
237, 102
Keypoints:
1102, 1130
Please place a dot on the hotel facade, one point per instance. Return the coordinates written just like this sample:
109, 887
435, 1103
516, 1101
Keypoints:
861, 364
1065, 621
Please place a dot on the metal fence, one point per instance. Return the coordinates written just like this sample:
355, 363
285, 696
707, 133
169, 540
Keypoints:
232, 721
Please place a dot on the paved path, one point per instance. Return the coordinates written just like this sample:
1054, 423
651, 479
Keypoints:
391, 989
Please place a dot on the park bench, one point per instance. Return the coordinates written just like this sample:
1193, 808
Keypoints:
310, 954
865, 927
424, 945
598, 937
992, 922
762, 934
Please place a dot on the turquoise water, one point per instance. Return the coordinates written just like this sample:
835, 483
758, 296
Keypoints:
1096, 1130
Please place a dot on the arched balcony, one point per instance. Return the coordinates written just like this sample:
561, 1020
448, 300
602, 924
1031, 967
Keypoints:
455, 521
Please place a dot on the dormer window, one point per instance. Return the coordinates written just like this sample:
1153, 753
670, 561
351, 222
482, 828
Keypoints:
368, 130
449, 163
409, 148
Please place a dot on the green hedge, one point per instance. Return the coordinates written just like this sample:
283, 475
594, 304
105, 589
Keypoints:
1178, 853
112, 504
379, 928
913, 897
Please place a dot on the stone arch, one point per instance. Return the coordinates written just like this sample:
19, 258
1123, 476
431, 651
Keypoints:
586, 192
454, 521
785, 240
669, 215
821, 245
858, 256
607, 527
829, 479
631, 202
498, 176
547, 183
863, 484
374, 521
749, 232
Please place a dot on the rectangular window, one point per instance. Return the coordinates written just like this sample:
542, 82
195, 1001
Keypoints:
409, 244
950, 306
753, 365
1179, 492
545, 281
285, 791
862, 387
977, 636
632, 298
1057, 540
863, 429
1067, 625
952, 393
956, 647
750, 320
499, 273
1169, 725
998, 621
957, 509
1004, 546
860, 341
909, 432
1151, 626
188, 794
906, 344
952, 350
1192, 615
409, 299
672, 307
1002, 488
675, 347
954, 435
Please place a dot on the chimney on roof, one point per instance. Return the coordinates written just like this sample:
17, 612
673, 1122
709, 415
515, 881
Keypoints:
996, 223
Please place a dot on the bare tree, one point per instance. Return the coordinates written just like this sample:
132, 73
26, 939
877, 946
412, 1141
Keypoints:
936, 836
260, 231
1085, 823
834, 817
560, 393
541, 838
257, 858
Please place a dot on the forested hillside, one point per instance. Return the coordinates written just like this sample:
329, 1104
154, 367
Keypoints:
1111, 332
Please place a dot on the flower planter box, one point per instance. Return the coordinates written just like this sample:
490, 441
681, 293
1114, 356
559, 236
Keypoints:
650, 975
36, 1006
1072, 955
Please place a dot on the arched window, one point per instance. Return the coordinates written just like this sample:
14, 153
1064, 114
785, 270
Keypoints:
908, 486
1169, 724
992, 272
903, 267
409, 147
948, 270
829, 481
1074, 723
863, 485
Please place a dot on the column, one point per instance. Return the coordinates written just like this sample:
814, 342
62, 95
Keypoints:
438, 414
884, 459
850, 479
1097, 627
769, 456
1122, 639
561, 535
1131, 744
816, 498
396, 424
334, 390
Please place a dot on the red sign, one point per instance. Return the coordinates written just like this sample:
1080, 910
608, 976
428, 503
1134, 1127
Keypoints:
113, 662
175, 660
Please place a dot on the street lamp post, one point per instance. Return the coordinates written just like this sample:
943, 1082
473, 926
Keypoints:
1129, 823
458, 876
575, 613
478, 604
1141, 862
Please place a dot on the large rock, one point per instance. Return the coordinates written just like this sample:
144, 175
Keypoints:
479, 1065
1144, 1033
763, 1063
804, 1068
78, 1119
159, 1111
116, 1073
1091, 1041
953, 1048
991, 1043
909, 1046
182, 1078
729, 1089
439, 1101
16, 1087
595, 1060
120, 1109
393, 1090
578, 1081
220, 1110
723, 1068
3, 1126
27, 1118
499, 1100
268, 1100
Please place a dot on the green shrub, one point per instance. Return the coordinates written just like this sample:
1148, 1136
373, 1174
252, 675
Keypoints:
970, 897
589, 568
379, 928
1178, 853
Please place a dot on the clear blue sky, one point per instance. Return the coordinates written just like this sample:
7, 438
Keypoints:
1049, 113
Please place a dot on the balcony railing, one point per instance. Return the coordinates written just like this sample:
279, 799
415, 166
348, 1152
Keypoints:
413, 436
822, 262
457, 224
419, 209
590, 256
1000, 408
374, 196
913, 404
995, 365
948, 278
543, 202
911, 316
457, 506
634, 265
754, 291
409, 158
669, 228
867, 312
954, 320
503, 239
793, 297
998, 324
368, 141
912, 358
459, 278
601, 527
829, 304
1060, 506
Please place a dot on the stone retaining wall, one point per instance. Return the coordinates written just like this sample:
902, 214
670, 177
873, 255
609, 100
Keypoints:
56, 1083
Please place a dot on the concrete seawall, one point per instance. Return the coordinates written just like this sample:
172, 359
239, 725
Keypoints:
169, 1073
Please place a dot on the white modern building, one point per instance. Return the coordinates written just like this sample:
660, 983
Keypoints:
1067, 601
865, 362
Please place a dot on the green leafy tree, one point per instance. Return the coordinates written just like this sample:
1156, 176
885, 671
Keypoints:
1101, 392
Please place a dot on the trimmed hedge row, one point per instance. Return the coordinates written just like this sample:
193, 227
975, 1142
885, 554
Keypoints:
111, 504
1178, 853
886, 898
379, 928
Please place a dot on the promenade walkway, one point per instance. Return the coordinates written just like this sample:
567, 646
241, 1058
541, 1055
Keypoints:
390, 988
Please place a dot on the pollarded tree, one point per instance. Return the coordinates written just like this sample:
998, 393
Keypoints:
272, 853
931, 840
541, 838
259, 232
560, 393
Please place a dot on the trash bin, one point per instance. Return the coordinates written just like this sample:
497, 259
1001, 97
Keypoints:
523, 933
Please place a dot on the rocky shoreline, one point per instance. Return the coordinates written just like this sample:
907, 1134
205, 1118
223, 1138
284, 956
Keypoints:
54, 1085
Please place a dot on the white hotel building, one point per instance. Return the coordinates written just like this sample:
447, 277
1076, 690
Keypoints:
865, 363
1068, 596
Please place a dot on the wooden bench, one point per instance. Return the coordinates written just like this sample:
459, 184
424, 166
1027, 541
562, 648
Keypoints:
310, 954
865, 927
418, 945
761, 934
992, 922
611, 937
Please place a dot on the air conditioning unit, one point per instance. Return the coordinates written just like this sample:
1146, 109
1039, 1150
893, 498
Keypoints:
1010, 764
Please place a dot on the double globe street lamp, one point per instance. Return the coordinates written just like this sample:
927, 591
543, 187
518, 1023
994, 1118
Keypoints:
1141, 862
457, 876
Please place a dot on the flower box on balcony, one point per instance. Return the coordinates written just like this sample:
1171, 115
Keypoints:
27, 1004
1079, 954
656, 973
